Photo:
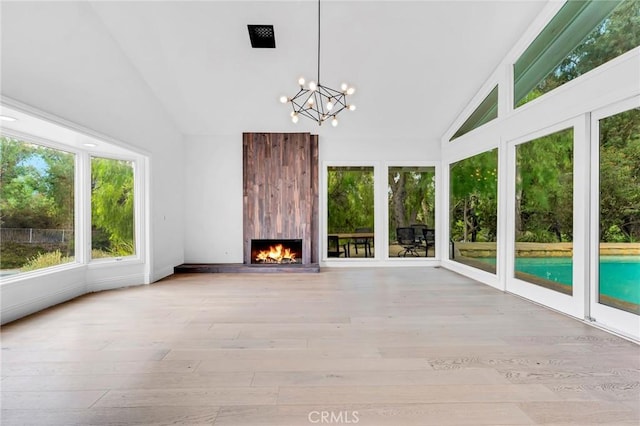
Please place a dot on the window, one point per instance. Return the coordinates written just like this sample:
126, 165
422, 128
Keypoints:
544, 211
112, 208
473, 210
619, 259
582, 36
350, 206
36, 206
412, 205
486, 111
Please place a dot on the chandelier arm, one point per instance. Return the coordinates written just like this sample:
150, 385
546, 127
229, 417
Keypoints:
336, 112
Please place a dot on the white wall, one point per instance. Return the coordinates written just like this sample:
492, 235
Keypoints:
213, 199
213, 178
57, 58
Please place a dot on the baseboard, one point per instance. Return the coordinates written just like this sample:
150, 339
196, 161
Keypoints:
35, 304
116, 282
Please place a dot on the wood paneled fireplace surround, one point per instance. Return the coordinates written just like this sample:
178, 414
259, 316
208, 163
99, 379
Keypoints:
280, 213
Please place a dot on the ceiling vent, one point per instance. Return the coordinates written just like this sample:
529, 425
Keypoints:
262, 36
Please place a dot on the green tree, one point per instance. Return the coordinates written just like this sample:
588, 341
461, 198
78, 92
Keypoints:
27, 186
350, 199
112, 204
620, 177
616, 34
411, 197
59, 182
473, 190
544, 188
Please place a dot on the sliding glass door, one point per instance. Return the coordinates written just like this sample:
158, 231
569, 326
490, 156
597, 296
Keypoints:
548, 245
615, 271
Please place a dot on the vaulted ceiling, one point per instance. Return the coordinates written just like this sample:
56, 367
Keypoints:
415, 64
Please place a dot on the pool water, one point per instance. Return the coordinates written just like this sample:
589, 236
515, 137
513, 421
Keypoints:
619, 275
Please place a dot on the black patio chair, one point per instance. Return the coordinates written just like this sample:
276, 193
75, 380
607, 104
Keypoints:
407, 239
429, 239
365, 242
333, 247
418, 231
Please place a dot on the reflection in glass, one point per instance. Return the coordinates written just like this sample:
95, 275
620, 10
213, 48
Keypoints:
412, 205
36, 205
544, 211
112, 208
473, 210
350, 206
582, 36
485, 112
619, 272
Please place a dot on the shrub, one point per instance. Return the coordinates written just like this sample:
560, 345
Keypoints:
46, 260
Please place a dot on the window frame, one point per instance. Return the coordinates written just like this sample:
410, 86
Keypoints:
612, 318
437, 199
137, 219
82, 204
574, 304
324, 209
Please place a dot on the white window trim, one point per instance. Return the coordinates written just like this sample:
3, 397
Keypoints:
619, 321
82, 188
423, 261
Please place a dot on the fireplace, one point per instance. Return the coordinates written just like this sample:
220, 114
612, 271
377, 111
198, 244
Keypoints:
280, 200
276, 252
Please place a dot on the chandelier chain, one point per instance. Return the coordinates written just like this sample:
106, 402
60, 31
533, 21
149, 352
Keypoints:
318, 102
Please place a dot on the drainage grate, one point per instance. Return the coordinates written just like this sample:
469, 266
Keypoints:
262, 36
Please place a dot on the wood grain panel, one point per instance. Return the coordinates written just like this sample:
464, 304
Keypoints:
280, 172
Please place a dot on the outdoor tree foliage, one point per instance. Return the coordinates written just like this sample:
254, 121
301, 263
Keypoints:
37, 191
112, 202
544, 189
36, 186
620, 177
617, 34
350, 199
411, 197
473, 198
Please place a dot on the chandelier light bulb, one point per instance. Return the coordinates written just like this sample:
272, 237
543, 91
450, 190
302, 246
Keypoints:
344, 87
310, 101
334, 122
294, 118
284, 99
330, 104
312, 85
301, 81
352, 107
351, 91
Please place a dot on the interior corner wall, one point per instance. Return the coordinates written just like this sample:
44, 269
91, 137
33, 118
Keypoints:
78, 73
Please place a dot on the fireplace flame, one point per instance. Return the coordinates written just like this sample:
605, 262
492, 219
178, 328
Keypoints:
277, 254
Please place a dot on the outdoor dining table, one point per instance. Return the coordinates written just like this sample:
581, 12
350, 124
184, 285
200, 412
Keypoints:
351, 235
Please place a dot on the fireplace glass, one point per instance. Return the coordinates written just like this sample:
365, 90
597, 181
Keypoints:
276, 252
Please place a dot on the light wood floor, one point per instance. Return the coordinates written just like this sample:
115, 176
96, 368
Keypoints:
387, 346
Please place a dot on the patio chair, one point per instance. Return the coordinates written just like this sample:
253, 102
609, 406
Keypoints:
365, 242
429, 236
407, 239
333, 247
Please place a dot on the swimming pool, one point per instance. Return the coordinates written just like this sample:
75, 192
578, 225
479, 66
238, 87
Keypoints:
619, 275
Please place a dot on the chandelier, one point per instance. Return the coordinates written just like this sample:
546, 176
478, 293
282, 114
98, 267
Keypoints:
317, 102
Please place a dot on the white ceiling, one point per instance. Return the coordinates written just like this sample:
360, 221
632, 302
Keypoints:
415, 64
